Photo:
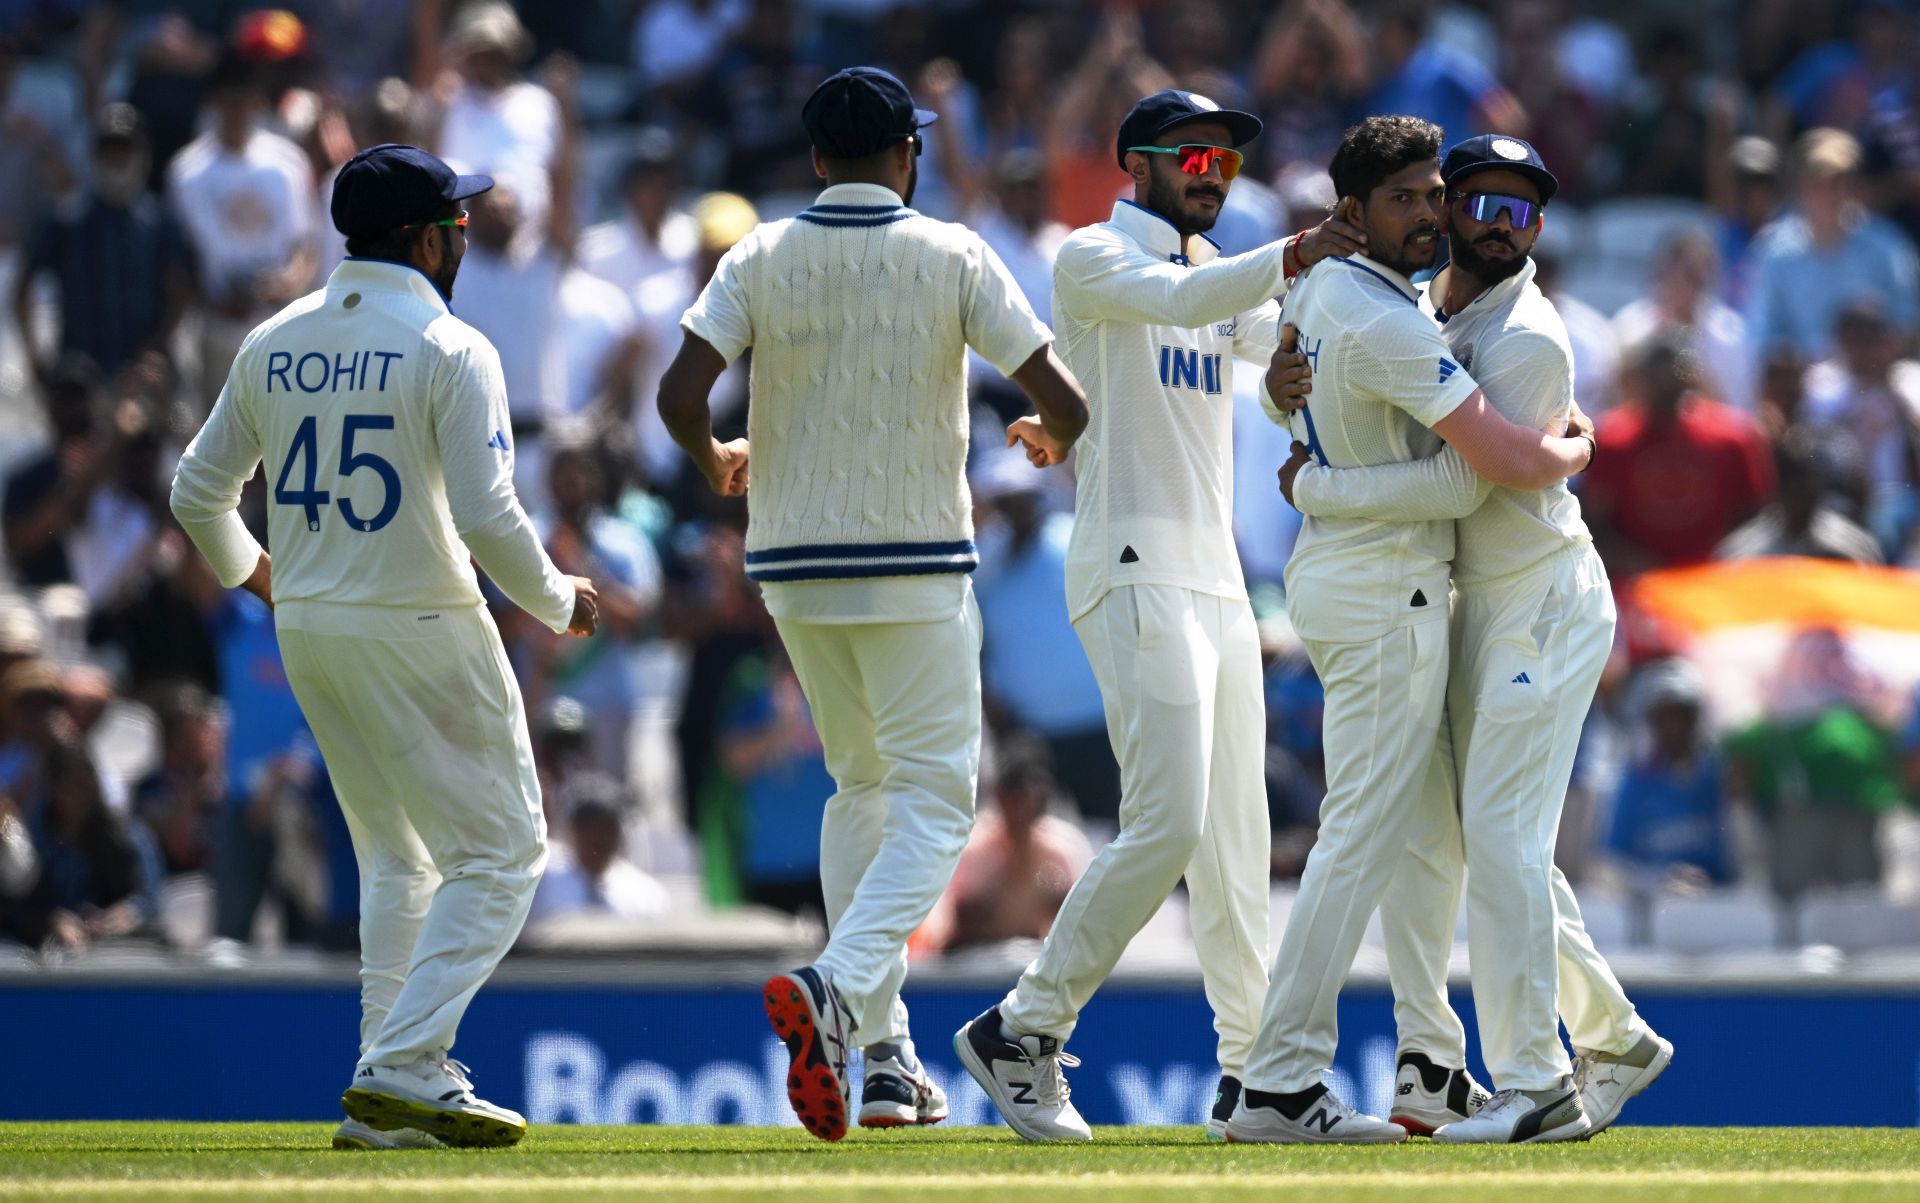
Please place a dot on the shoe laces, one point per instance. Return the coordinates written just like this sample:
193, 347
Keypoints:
1050, 1085
1500, 1099
457, 1072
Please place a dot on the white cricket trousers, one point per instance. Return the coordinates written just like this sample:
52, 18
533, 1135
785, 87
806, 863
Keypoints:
1179, 672
897, 709
1528, 653
1384, 699
420, 722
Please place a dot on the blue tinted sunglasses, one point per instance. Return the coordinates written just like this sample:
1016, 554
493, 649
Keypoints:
1485, 207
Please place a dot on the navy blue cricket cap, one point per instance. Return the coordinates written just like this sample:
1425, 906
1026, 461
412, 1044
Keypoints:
1156, 114
861, 111
388, 186
1498, 152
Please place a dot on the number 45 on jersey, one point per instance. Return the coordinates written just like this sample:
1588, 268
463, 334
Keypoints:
305, 450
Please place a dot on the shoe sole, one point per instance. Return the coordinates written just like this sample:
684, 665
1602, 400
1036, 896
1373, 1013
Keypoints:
461, 1129
352, 1142
892, 1118
1416, 1127
970, 1061
1651, 1074
1216, 1129
1233, 1139
817, 1094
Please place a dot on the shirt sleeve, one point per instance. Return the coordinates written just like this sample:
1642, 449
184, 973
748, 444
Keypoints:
1439, 486
720, 314
999, 322
470, 421
1401, 360
1109, 278
1256, 334
206, 485
1528, 377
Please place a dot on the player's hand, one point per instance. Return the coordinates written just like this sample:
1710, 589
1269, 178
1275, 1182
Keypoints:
260, 581
727, 472
1579, 425
1337, 236
586, 607
1300, 458
1043, 450
1289, 378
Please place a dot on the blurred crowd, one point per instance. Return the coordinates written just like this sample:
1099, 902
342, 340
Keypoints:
1733, 248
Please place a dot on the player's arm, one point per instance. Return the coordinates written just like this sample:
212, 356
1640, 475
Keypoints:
1509, 455
1062, 405
206, 490
1000, 324
469, 418
688, 416
1439, 486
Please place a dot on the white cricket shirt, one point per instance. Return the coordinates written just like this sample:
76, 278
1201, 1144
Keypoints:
1382, 375
1513, 341
382, 420
1151, 329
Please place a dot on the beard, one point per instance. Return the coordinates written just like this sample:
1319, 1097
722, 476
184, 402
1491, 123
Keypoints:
1164, 198
1484, 268
913, 181
443, 275
1406, 258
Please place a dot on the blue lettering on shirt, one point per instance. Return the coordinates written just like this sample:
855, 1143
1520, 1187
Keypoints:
321, 372
1184, 368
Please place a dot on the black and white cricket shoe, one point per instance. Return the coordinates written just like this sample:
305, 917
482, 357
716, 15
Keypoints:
1324, 1120
1520, 1117
1428, 1097
431, 1095
1023, 1079
809, 1017
1226, 1097
1607, 1080
895, 1096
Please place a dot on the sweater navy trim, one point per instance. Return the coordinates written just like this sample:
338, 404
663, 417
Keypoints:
853, 572
883, 219
861, 551
1397, 290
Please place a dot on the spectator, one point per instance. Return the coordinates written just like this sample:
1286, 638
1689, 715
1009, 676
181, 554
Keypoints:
1660, 132
1296, 767
1669, 821
562, 737
1531, 57
183, 801
1596, 348
495, 121
749, 103
589, 872
1676, 472
90, 880
1422, 77
36, 726
245, 198
675, 42
1866, 400
1308, 70
1743, 186
1034, 674
1018, 864
600, 353
119, 262
1686, 293
1802, 519
47, 498
768, 745
32, 160
1827, 251
652, 236
1819, 767
1012, 217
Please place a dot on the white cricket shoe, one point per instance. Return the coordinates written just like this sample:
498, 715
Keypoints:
1327, 1120
431, 1095
1606, 1080
811, 1020
352, 1134
1428, 1097
893, 1096
1519, 1117
1022, 1078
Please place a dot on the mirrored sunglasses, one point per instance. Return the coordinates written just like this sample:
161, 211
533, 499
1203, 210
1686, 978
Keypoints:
1197, 157
1486, 207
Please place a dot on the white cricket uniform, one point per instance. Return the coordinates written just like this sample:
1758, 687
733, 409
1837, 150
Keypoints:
1368, 599
382, 420
1533, 626
1151, 329
860, 532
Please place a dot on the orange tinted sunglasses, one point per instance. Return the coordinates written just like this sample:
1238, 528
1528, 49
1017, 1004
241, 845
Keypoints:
1196, 157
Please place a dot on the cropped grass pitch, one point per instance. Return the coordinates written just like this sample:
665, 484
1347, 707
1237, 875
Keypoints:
173, 1161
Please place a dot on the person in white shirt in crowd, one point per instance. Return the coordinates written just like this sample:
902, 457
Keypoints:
1686, 292
590, 873
492, 117
653, 235
381, 419
676, 41
245, 198
1865, 400
1369, 598
1597, 350
860, 535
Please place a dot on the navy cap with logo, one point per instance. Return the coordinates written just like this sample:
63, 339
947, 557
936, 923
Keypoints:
388, 186
1498, 152
861, 111
1156, 114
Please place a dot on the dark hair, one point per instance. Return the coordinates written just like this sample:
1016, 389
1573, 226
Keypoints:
1378, 147
396, 244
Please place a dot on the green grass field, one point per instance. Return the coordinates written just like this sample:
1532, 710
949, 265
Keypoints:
169, 1161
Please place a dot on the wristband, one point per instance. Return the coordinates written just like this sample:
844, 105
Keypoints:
1593, 449
1293, 252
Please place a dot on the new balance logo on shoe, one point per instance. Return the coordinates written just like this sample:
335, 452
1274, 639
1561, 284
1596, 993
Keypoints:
1323, 1119
1022, 1091
1522, 679
1406, 1088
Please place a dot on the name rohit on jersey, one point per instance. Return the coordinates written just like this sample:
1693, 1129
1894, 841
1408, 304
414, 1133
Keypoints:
318, 372
1183, 368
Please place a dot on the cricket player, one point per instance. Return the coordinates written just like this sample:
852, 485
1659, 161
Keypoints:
1369, 600
860, 532
1153, 319
1533, 627
382, 419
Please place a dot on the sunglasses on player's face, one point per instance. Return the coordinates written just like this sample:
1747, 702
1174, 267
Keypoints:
1197, 157
1486, 207
459, 222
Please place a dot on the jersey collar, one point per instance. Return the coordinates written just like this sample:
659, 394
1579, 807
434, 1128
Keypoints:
1381, 272
1493, 298
862, 196
384, 275
1157, 235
